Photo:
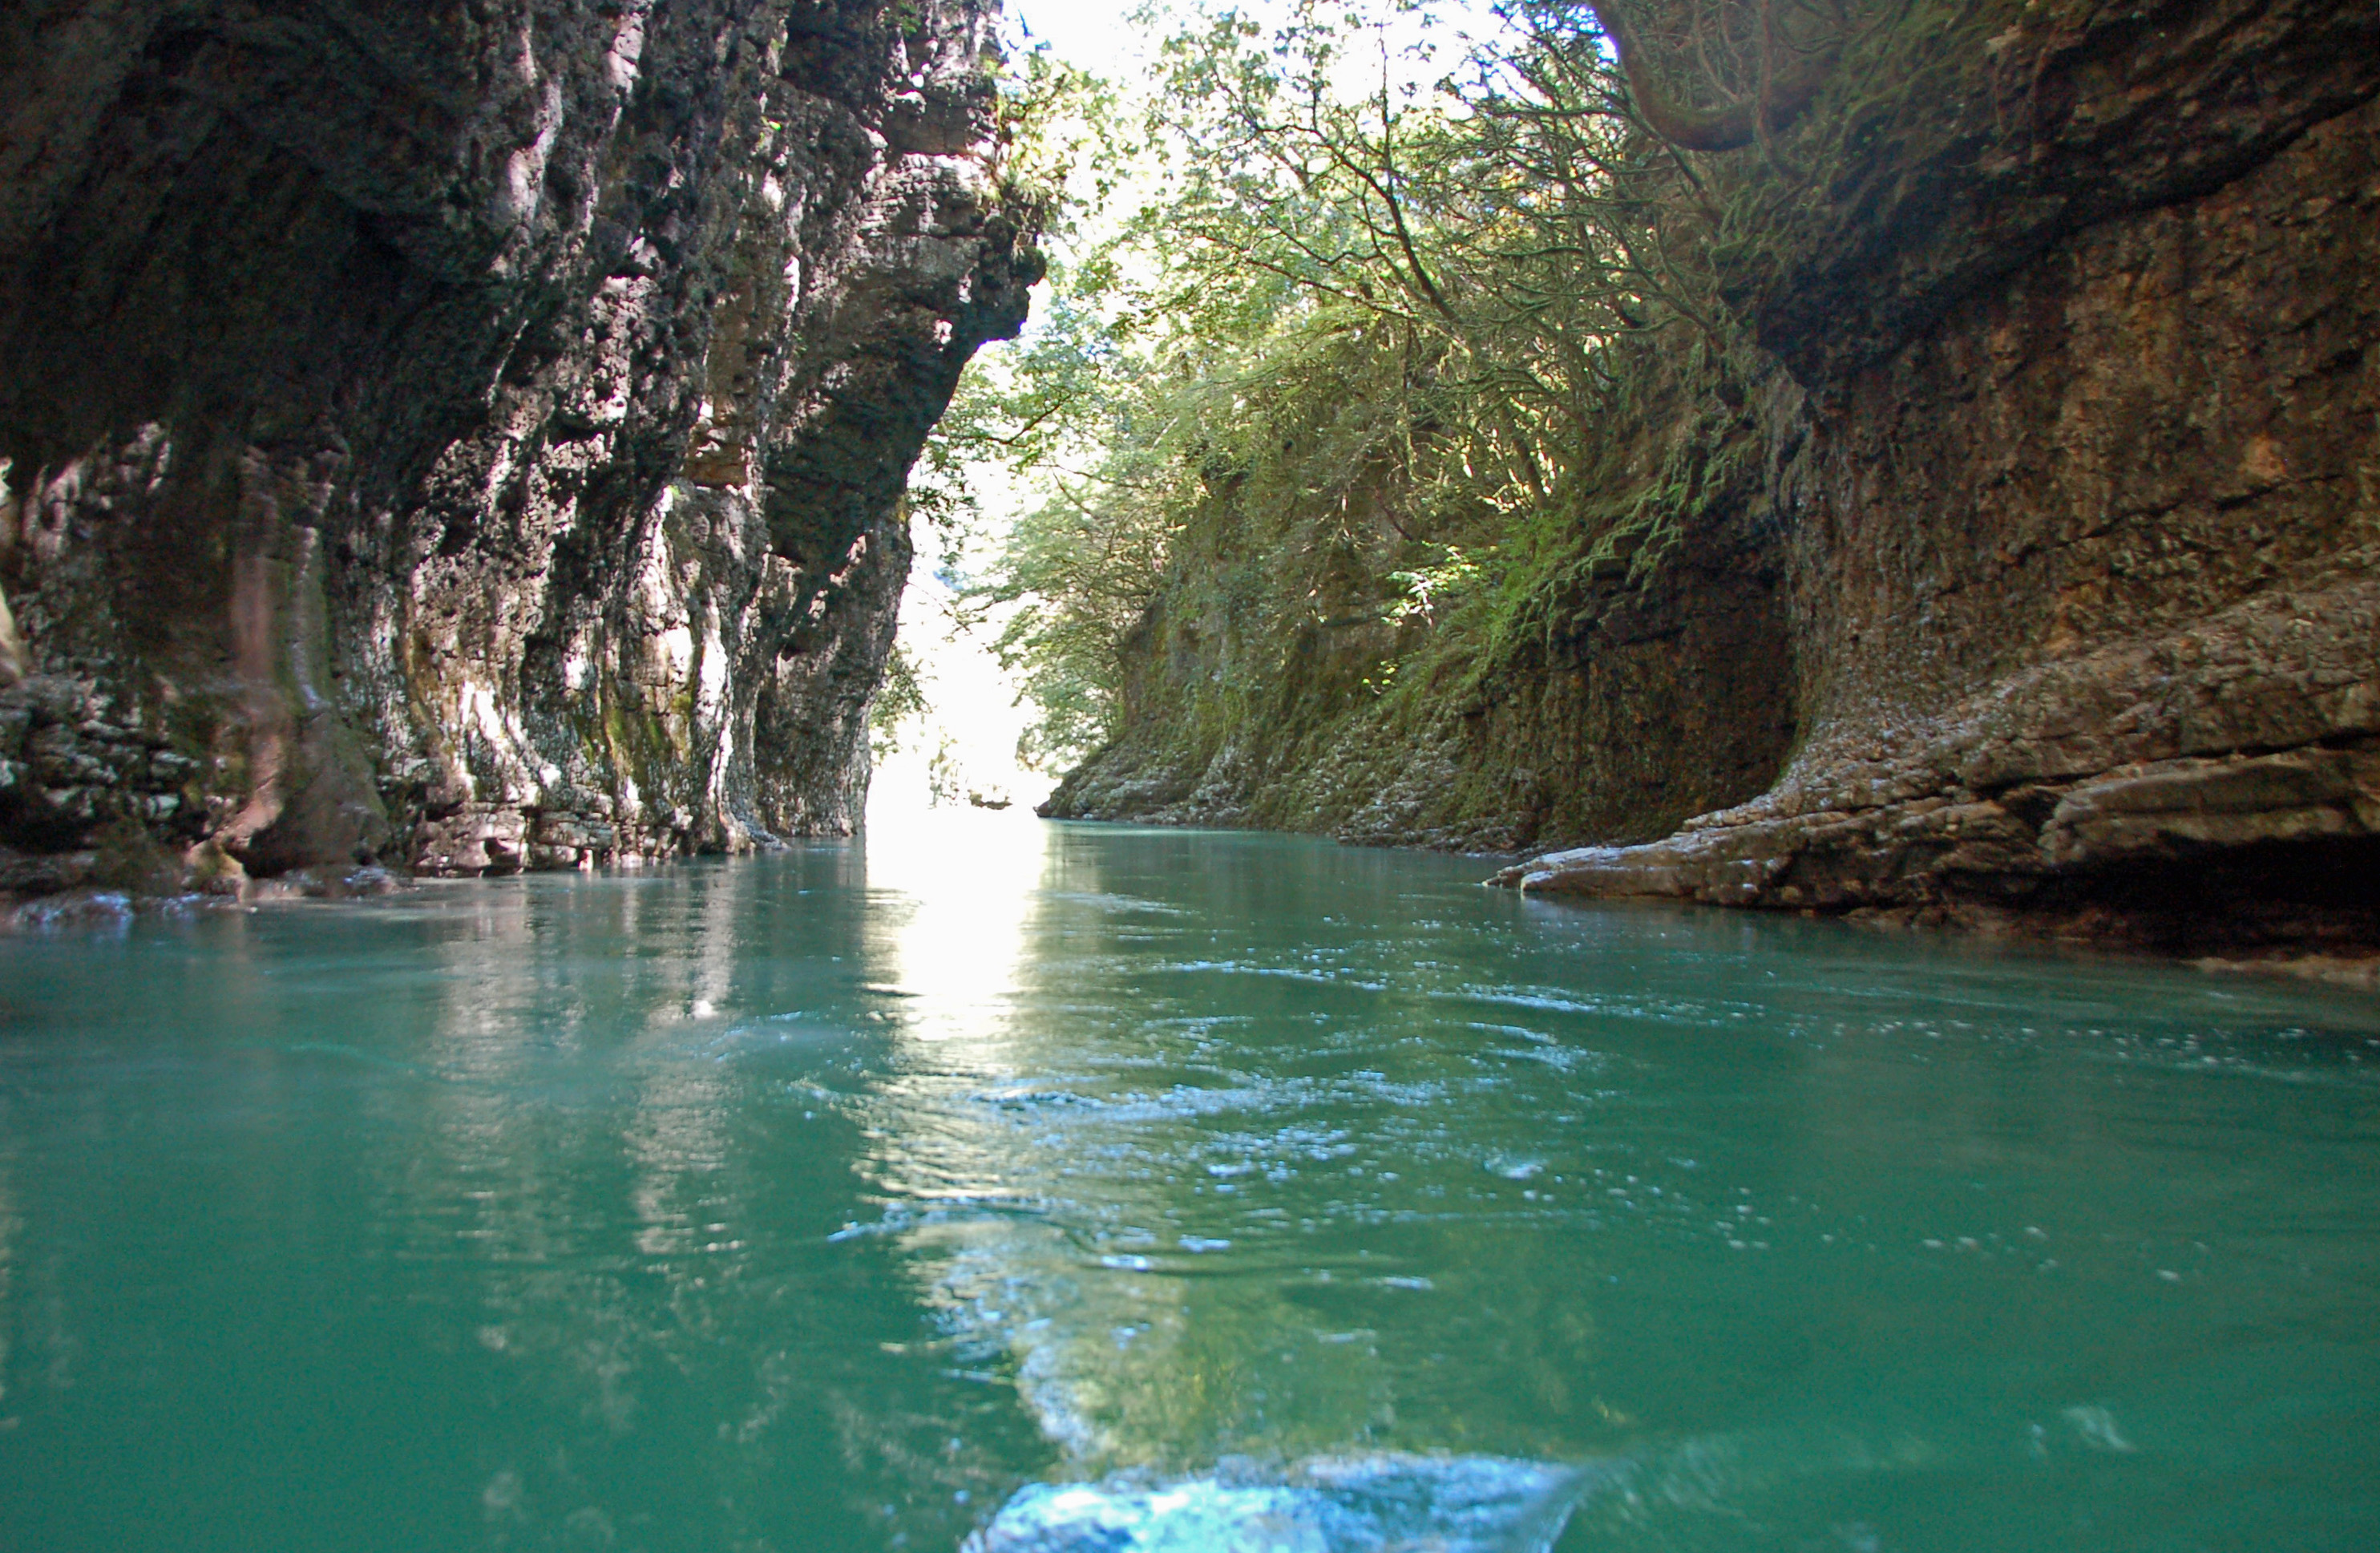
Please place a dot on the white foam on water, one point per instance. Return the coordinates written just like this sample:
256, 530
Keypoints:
1369, 1504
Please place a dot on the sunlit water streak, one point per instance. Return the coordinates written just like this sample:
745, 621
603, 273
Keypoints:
1052, 1188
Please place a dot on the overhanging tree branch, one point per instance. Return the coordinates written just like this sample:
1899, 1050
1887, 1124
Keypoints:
1783, 92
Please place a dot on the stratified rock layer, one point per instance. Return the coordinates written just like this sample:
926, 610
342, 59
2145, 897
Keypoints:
468, 436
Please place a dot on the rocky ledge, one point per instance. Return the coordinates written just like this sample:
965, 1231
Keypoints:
2214, 793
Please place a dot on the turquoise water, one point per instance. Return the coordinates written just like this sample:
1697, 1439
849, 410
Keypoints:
1065, 1188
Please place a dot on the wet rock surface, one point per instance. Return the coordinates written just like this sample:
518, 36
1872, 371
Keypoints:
468, 438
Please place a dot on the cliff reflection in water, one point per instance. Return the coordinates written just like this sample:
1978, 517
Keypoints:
839, 1199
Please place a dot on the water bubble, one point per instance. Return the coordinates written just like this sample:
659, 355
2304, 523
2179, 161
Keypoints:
2096, 1427
1362, 1505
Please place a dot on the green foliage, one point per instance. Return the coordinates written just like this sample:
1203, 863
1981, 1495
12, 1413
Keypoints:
1430, 589
1367, 334
1057, 156
1426, 363
900, 700
945, 777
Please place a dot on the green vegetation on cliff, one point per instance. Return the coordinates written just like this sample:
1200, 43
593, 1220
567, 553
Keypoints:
1381, 384
1734, 411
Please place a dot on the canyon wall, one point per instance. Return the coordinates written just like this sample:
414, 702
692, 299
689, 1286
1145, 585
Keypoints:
2049, 601
1633, 697
468, 435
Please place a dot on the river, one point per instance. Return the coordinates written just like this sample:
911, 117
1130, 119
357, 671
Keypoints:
1046, 1189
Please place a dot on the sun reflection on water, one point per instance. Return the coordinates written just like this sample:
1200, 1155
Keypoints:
1034, 1175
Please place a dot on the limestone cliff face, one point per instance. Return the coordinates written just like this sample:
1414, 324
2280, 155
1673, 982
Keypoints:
470, 436
2062, 554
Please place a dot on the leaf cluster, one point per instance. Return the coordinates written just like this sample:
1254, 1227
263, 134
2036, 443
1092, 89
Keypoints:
1354, 344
